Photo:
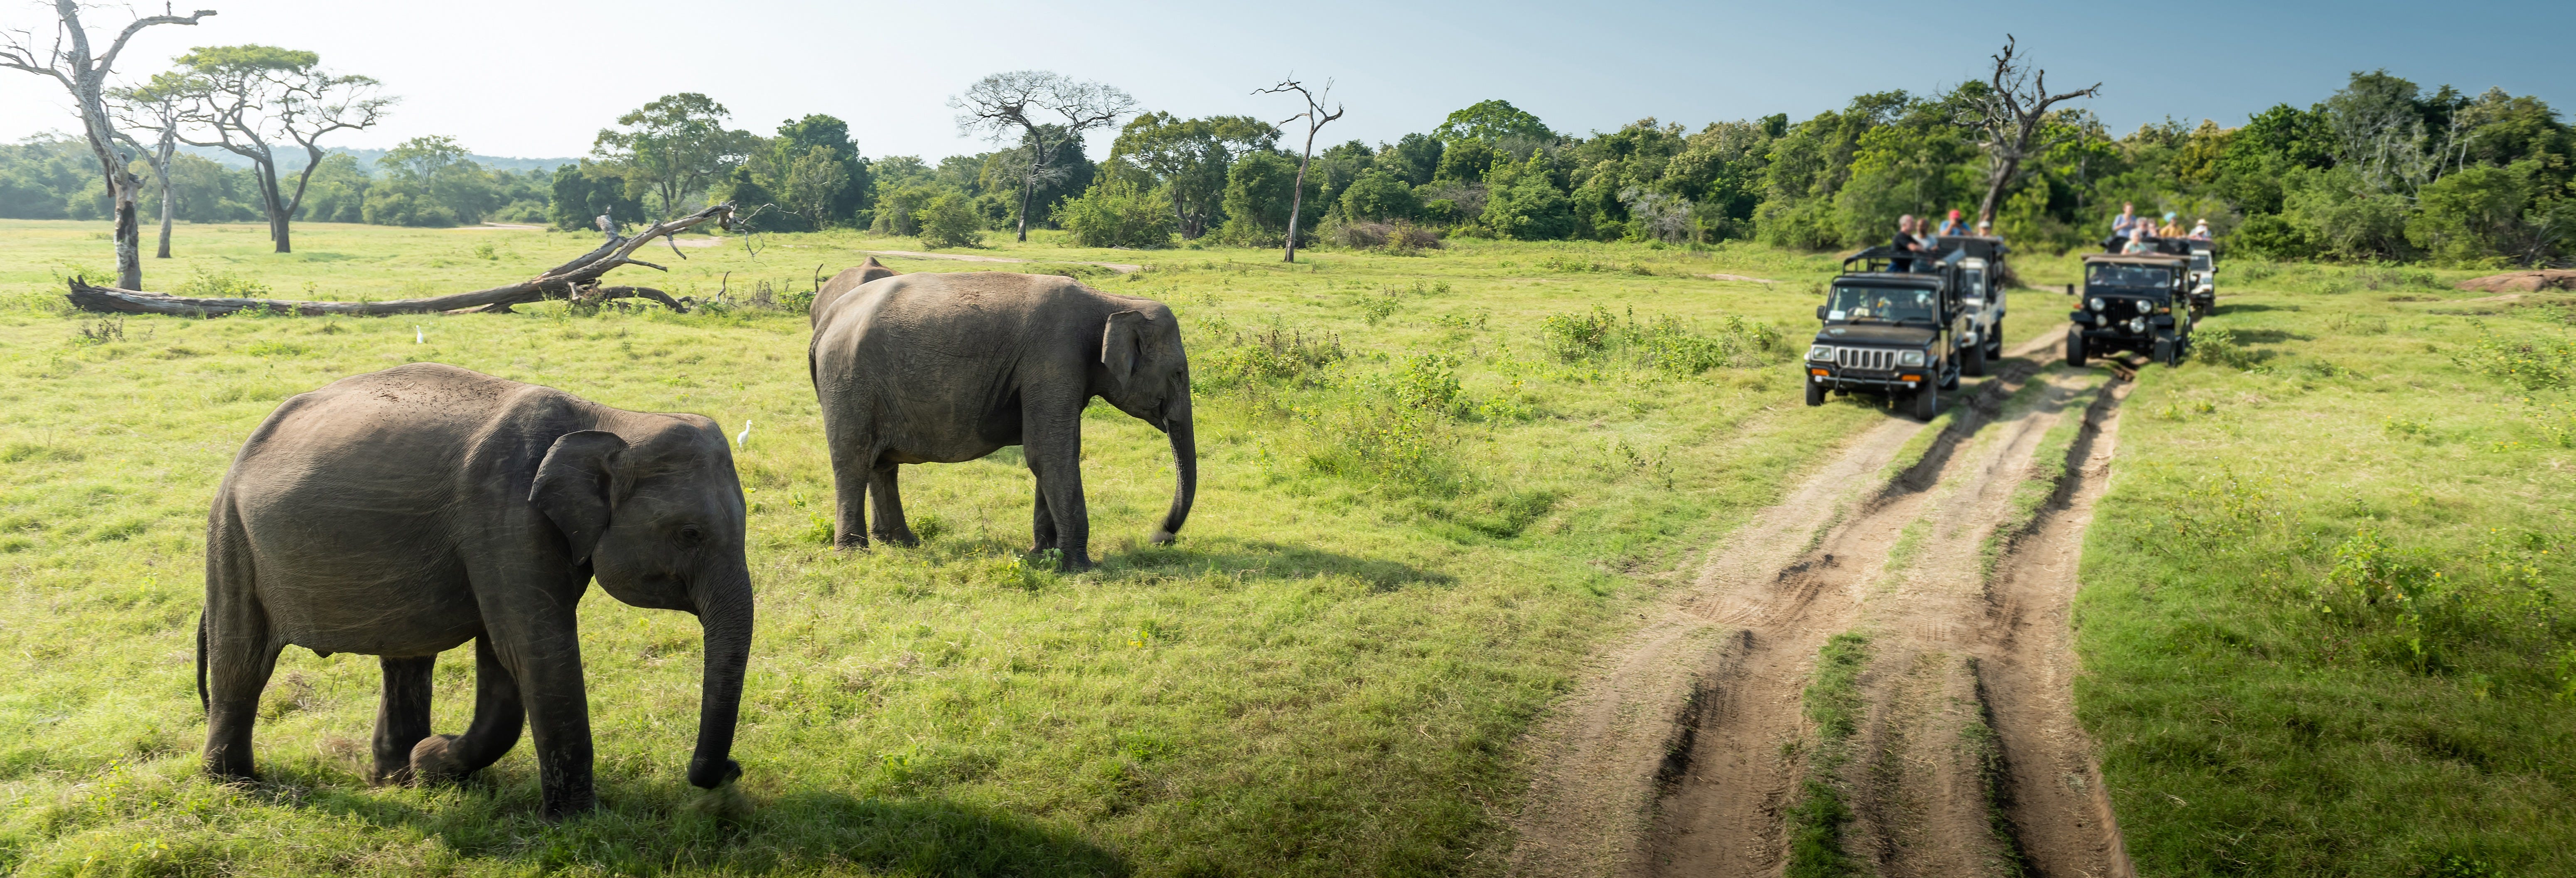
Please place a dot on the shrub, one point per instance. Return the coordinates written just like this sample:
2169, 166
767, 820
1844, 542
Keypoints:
947, 220
2531, 365
1396, 237
1575, 335
223, 285
1113, 213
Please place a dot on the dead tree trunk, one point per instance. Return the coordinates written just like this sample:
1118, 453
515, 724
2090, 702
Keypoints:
577, 280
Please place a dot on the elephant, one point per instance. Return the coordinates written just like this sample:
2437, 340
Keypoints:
950, 367
841, 284
403, 512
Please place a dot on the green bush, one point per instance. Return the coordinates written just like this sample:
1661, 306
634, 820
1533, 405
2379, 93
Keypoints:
1113, 213
949, 221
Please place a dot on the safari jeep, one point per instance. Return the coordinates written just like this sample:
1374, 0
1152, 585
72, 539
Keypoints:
1983, 277
2204, 278
1898, 333
2134, 302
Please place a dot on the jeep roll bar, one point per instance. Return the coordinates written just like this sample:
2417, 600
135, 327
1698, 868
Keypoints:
1874, 260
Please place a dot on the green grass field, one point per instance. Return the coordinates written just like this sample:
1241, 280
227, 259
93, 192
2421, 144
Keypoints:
2326, 608
1431, 484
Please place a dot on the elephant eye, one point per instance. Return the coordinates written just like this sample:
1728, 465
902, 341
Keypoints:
689, 533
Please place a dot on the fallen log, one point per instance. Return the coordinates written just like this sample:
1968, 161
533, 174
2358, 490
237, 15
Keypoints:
577, 281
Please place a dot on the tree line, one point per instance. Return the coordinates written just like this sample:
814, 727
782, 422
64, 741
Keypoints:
2380, 170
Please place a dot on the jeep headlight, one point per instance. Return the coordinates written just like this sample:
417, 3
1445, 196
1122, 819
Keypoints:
1909, 358
1823, 352
2096, 302
2142, 306
2137, 324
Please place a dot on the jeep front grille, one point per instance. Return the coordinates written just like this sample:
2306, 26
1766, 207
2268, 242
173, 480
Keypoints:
1866, 359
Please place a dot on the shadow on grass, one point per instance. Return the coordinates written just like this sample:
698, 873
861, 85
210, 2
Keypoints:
2225, 308
1268, 560
797, 832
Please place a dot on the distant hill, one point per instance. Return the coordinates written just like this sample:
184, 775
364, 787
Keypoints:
291, 158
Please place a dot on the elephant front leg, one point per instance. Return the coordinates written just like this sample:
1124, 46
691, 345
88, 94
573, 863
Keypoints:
543, 653
1060, 510
891, 528
1041, 524
498, 718
402, 716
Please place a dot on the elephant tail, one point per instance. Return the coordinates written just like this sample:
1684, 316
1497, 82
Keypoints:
202, 702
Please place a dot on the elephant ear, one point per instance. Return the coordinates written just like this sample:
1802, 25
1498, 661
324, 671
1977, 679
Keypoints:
1121, 342
577, 487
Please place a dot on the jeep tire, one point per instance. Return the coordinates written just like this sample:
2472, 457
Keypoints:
1995, 341
1927, 402
1972, 362
2164, 353
2075, 348
1815, 391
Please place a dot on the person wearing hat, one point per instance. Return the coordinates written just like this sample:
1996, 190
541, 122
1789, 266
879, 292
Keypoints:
1952, 225
1985, 228
2200, 230
2169, 230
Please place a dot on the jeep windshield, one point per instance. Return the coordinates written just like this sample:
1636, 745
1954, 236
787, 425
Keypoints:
2200, 262
1868, 304
2113, 274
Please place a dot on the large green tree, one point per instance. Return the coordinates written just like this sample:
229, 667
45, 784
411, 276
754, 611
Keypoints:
673, 148
1188, 158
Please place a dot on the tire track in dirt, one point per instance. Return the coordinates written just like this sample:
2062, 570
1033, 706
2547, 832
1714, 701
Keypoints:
1635, 728
2054, 796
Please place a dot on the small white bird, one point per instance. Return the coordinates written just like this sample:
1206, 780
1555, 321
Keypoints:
738, 441
418, 337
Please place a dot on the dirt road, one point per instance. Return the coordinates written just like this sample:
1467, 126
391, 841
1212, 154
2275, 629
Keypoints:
1691, 752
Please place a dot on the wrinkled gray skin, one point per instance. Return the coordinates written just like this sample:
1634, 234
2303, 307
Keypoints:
404, 512
923, 368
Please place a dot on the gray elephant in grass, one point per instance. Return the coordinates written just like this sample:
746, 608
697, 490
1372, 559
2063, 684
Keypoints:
404, 512
923, 368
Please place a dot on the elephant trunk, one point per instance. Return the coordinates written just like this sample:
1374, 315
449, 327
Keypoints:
724, 613
1185, 469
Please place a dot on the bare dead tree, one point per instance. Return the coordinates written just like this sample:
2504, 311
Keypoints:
2009, 114
1004, 103
70, 61
1315, 119
576, 281
157, 107
246, 96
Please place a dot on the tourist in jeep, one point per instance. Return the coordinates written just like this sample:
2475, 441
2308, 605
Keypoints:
1904, 242
2138, 240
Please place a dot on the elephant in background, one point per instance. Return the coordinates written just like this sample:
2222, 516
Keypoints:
946, 368
841, 284
404, 512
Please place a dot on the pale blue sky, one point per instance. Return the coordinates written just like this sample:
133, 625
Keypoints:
537, 78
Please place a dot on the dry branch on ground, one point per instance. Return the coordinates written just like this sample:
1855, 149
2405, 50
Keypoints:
577, 280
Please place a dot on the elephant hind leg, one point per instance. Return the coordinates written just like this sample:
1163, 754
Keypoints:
887, 498
402, 716
238, 650
852, 471
498, 718
240, 656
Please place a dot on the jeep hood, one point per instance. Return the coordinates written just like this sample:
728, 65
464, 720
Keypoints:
1875, 335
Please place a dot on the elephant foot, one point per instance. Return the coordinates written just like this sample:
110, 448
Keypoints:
434, 761
905, 539
851, 544
396, 776
231, 774
1162, 537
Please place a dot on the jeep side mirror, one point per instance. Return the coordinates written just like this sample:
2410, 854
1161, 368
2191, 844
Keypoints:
2070, 289
1820, 312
